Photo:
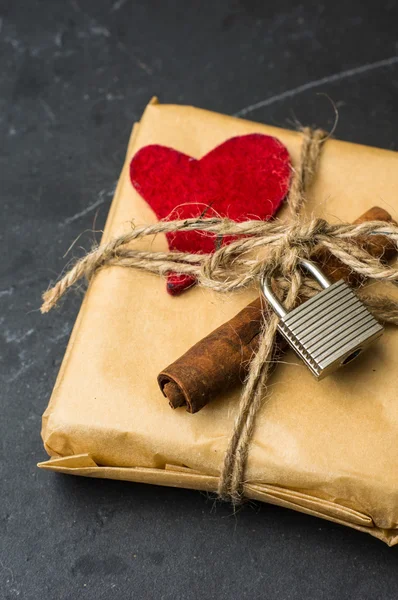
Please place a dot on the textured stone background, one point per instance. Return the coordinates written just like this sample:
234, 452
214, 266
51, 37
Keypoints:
74, 75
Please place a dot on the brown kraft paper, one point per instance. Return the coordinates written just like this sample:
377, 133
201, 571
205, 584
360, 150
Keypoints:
325, 448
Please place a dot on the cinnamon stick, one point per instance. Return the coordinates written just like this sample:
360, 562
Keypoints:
221, 360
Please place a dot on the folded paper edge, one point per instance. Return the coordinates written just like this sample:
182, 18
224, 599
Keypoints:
183, 477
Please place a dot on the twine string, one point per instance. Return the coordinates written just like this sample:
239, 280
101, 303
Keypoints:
232, 474
239, 265
233, 267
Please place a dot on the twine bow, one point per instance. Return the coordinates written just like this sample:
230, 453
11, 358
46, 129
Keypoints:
242, 263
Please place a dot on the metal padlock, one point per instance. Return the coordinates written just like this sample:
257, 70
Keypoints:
330, 329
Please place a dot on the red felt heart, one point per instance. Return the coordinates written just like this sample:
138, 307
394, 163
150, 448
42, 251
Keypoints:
246, 177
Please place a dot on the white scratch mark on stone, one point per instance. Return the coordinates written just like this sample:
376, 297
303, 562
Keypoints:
15, 43
15, 338
103, 195
65, 331
387, 62
3, 566
99, 30
8, 292
58, 39
137, 61
25, 367
143, 65
118, 5
48, 110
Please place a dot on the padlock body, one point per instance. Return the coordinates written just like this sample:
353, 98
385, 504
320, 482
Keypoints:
330, 329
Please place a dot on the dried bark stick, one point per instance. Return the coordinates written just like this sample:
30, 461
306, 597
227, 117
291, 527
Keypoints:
220, 361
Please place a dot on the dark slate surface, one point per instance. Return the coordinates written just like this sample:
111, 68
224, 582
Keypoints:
73, 77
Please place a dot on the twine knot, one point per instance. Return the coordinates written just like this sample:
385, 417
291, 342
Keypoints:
305, 232
298, 242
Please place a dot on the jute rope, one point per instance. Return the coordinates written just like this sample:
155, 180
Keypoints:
238, 265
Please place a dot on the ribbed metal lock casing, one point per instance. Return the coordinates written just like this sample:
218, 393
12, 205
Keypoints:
330, 329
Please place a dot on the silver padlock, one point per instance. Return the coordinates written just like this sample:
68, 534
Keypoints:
330, 329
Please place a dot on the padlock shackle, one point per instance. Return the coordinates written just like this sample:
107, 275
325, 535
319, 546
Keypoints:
316, 272
269, 295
